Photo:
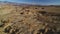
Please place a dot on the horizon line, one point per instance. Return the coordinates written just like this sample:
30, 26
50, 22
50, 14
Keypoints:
30, 3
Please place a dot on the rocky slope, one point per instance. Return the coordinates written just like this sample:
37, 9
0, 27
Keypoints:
17, 19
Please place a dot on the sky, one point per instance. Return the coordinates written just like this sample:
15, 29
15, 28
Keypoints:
39, 2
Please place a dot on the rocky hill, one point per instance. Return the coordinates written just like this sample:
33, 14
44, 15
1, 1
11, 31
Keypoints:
29, 19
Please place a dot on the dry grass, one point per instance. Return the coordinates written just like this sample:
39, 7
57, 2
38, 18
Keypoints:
28, 18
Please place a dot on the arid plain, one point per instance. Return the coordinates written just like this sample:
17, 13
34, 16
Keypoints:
29, 19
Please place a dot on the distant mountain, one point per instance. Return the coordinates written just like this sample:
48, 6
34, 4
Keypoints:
22, 4
14, 3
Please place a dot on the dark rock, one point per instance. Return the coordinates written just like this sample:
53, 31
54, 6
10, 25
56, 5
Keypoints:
49, 32
7, 30
41, 31
1, 24
13, 32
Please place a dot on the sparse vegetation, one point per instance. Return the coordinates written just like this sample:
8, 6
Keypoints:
16, 19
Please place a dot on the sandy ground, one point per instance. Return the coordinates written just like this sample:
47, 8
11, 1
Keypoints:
29, 19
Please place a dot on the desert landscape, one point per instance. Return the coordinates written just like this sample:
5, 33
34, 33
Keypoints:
29, 19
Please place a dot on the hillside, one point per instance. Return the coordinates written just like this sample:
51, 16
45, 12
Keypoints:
29, 19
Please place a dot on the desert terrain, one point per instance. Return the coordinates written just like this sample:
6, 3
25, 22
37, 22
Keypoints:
29, 19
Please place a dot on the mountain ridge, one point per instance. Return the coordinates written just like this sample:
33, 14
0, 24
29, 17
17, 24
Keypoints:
23, 4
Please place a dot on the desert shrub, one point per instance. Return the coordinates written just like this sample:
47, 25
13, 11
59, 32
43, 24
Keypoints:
42, 12
42, 8
35, 8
